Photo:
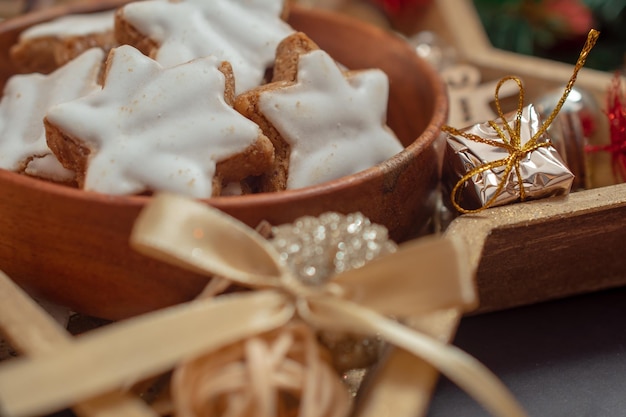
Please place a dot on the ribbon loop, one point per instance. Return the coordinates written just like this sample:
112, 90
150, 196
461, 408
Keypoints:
195, 236
514, 134
184, 233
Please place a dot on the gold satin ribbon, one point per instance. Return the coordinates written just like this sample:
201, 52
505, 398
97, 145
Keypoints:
194, 236
511, 138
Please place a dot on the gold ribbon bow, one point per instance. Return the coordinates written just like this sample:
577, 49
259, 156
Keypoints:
194, 236
511, 137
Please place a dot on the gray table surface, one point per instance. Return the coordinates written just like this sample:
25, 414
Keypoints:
564, 358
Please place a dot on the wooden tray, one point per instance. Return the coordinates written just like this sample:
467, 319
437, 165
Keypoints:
546, 249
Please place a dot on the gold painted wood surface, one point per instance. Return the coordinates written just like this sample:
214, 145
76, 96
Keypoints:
546, 249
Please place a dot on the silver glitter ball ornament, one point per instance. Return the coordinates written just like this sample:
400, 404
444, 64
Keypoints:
316, 248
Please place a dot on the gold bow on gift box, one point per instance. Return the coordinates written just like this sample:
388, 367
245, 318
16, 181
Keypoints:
422, 277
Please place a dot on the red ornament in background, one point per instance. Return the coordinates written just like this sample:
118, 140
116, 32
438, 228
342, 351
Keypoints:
569, 17
403, 15
394, 7
616, 113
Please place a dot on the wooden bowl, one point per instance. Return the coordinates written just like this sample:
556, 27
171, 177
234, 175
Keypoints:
71, 246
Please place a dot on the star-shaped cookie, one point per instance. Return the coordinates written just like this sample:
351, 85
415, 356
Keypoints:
24, 104
46, 46
325, 123
242, 32
153, 128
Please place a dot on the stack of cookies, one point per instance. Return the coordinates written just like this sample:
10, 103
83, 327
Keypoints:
189, 96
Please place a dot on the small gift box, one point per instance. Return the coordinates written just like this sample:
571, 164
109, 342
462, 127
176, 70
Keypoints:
496, 172
509, 159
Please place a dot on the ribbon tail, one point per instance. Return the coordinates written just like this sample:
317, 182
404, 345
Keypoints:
31, 331
132, 350
400, 377
461, 368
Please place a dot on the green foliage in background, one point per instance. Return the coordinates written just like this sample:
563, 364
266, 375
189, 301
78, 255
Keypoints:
556, 29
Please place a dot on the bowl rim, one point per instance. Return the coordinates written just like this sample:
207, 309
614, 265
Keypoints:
426, 137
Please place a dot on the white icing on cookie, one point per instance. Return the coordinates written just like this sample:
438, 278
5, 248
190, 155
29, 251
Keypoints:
152, 128
72, 25
335, 124
24, 104
242, 32
49, 167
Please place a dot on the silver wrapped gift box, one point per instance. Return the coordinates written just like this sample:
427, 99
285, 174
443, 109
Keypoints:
495, 158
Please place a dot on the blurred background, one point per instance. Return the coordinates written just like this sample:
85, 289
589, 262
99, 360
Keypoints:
552, 29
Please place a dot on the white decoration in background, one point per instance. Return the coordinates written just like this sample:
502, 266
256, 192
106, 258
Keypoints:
430, 47
470, 100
